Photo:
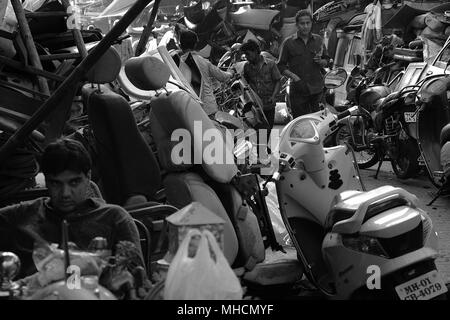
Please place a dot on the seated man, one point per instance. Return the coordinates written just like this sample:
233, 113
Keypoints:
66, 166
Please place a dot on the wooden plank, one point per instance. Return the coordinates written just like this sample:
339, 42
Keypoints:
19, 66
140, 48
45, 14
29, 43
72, 80
60, 56
18, 86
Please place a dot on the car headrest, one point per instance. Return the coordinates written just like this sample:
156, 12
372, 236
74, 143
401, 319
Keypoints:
106, 69
147, 72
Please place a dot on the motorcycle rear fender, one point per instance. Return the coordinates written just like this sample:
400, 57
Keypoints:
391, 223
361, 204
350, 268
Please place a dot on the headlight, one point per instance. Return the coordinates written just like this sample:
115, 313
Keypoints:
364, 244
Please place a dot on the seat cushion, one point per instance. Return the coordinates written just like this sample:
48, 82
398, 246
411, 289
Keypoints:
127, 165
185, 188
184, 134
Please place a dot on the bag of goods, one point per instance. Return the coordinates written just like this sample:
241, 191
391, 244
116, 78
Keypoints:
282, 115
200, 271
447, 32
432, 35
433, 23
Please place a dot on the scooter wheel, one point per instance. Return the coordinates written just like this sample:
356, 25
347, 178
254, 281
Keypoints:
406, 165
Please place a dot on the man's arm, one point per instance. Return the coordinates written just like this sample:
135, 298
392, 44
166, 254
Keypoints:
218, 74
276, 77
126, 230
283, 62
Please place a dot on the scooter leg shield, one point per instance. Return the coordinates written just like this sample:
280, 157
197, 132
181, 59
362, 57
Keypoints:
185, 188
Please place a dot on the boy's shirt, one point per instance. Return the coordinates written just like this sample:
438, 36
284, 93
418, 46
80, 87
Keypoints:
262, 80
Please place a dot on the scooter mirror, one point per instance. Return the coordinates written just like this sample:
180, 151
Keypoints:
434, 87
356, 71
335, 78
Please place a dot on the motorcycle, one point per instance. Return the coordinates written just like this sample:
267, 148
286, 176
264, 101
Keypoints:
433, 117
384, 126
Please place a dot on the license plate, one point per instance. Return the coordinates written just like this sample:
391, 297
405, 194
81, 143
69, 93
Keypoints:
410, 116
425, 287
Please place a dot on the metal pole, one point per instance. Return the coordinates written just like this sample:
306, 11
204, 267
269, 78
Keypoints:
29, 43
147, 30
76, 75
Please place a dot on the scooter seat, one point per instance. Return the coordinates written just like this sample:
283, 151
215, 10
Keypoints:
445, 134
341, 108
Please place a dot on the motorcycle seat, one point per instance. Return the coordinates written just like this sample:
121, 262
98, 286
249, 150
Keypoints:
445, 134
341, 108
129, 171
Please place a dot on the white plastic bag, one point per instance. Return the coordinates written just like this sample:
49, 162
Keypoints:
206, 276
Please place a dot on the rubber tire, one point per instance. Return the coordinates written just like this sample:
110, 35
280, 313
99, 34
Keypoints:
412, 153
362, 165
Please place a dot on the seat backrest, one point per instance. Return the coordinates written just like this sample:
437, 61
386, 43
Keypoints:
177, 116
192, 143
126, 164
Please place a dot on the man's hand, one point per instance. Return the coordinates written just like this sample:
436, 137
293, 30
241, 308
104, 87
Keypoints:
272, 99
295, 77
291, 75
321, 62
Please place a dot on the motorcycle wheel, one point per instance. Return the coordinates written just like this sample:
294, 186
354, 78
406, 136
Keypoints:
365, 158
406, 165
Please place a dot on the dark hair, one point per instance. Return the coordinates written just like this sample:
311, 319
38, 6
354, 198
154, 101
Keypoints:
65, 154
188, 40
250, 45
303, 13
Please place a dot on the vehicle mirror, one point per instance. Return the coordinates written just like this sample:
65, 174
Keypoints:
335, 78
356, 71
434, 87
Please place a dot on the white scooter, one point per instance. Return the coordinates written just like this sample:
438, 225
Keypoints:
353, 244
